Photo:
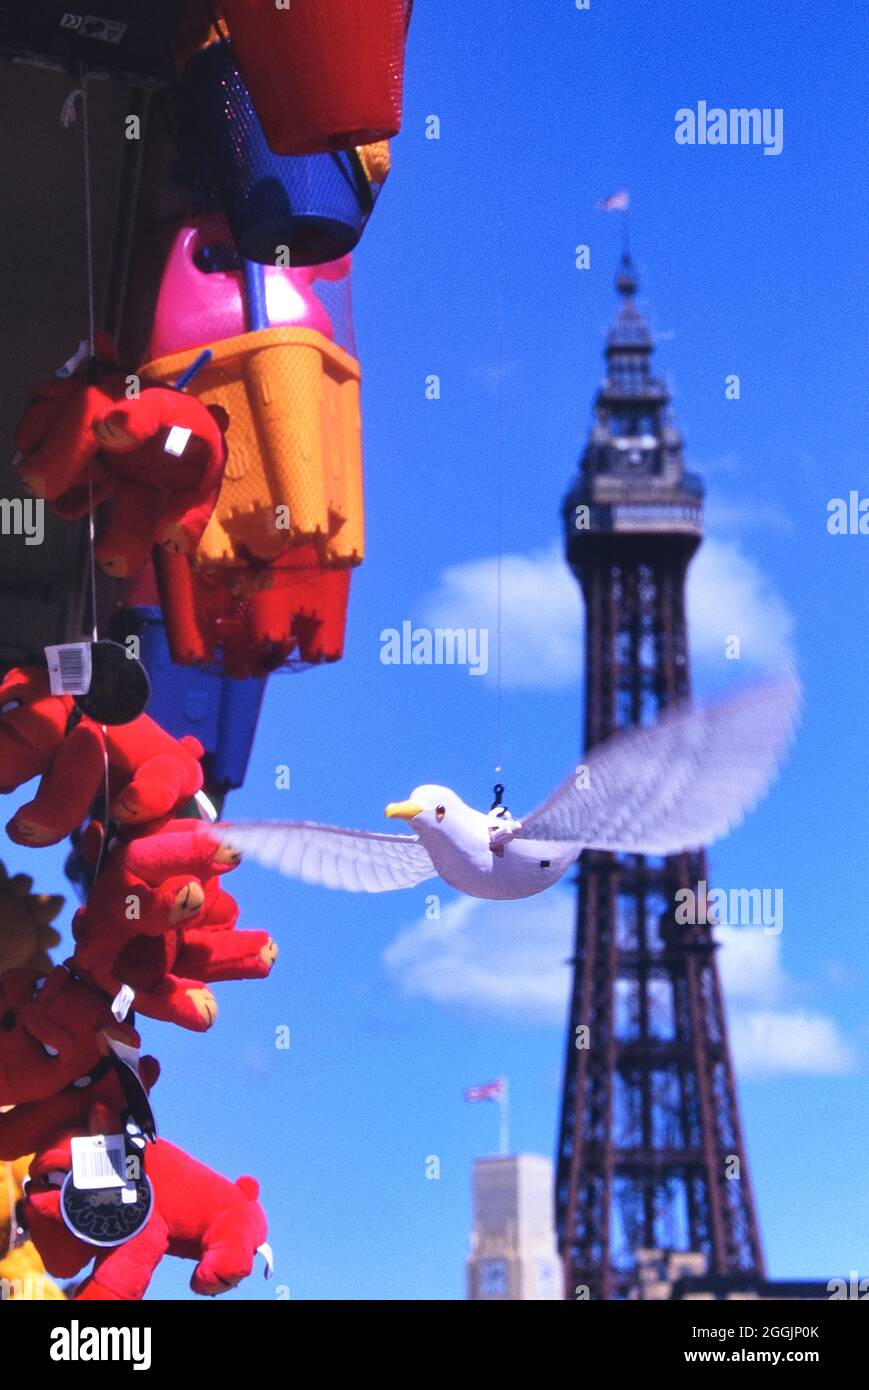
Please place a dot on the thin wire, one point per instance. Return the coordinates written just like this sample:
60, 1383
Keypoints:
88, 212
499, 469
92, 334
92, 330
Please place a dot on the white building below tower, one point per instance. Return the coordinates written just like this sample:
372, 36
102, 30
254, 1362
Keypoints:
514, 1256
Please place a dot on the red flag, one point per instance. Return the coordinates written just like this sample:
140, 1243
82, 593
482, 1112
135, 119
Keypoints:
492, 1090
616, 202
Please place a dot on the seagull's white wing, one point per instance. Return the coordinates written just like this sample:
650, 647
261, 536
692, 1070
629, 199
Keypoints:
359, 861
677, 784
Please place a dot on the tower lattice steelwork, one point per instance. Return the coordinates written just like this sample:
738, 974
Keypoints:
651, 1154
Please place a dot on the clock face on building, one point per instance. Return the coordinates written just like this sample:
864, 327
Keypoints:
493, 1278
546, 1278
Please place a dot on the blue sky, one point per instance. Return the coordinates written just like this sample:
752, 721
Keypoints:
749, 264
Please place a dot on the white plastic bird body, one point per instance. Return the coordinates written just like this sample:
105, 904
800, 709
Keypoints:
657, 790
479, 854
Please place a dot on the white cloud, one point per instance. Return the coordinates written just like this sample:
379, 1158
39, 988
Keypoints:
728, 595
542, 616
507, 960
750, 964
502, 958
774, 1043
769, 1041
541, 621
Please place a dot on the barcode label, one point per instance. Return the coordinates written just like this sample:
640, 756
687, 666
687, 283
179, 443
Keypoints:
109, 30
94, 26
98, 1161
69, 668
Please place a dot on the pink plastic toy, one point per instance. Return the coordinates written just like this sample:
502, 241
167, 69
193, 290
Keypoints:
196, 307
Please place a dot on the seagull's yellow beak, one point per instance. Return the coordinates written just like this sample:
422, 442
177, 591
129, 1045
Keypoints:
402, 810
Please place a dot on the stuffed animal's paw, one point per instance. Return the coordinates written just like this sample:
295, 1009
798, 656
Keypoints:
131, 808
23, 831
269, 953
33, 480
117, 566
186, 902
219, 1271
204, 1004
112, 435
175, 539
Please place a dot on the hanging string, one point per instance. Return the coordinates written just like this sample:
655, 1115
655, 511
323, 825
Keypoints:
88, 212
92, 332
499, 470
67, 117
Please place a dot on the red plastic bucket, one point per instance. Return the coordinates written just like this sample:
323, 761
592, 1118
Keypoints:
322, 74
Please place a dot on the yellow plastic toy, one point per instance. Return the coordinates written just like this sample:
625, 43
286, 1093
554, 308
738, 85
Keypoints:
25, 934
22, 1273
295, 443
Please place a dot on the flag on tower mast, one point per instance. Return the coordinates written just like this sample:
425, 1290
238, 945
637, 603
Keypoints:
495, 1090
491, 1090
616, 202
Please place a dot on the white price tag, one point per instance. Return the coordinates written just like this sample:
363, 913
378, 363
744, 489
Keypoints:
69, 668
123, 1002
177, 440
98, 1162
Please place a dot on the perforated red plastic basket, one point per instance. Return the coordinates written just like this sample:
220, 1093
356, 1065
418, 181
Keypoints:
323, 74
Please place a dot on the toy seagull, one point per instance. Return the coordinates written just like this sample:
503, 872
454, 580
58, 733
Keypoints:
671, 786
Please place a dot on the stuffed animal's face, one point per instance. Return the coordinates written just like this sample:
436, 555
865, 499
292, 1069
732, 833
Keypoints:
32, 725
51, 1033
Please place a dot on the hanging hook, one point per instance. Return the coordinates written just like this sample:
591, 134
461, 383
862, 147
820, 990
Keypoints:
498, 793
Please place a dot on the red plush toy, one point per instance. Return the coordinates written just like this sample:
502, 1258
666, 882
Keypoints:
151, 774
158, 920
26, 1128
160, 456
196, 1214
54, 1033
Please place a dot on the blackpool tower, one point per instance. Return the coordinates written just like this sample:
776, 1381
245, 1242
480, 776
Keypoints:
650, 1151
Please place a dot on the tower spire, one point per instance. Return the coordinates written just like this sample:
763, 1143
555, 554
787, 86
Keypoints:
626, 279
634, 459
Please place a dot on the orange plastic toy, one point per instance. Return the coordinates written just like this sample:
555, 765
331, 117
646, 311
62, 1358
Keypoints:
294, 472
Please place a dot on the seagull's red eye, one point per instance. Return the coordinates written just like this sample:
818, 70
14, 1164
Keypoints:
440, 812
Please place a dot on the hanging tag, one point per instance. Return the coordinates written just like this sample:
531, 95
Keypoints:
106, 1217
126, 1054
268, 1255
69, 668
206, 806
81, 354
98, 1162
123, 1002
126, 1060
177, 440
119, 688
